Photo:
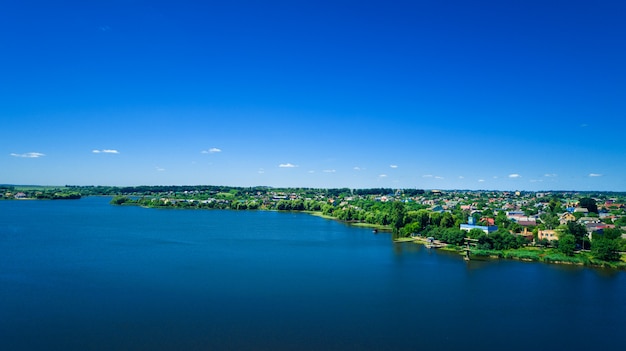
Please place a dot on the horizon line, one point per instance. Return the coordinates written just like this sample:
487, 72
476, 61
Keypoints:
323, 188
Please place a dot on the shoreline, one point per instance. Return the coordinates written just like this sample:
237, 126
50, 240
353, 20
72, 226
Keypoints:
527, 254
383, 228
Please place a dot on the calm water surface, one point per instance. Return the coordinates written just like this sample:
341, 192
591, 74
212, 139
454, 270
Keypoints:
84, 275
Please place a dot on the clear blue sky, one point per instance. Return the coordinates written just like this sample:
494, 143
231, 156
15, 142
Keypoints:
509, 95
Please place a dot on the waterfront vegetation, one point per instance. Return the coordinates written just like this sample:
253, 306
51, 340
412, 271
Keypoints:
593, 235
38, 192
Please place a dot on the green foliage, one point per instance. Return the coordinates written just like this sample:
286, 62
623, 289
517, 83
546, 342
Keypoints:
476, 233
589, 204
612, 233
577, 230
119, 200
447, 220
567, 244
411, 228
398, 218
605, 249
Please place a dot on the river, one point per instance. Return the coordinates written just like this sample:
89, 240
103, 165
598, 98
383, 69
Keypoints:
85, 275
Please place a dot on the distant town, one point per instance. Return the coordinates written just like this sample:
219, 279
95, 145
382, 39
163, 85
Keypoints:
585, 228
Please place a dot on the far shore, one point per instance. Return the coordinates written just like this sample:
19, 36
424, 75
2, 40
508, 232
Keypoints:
353, 223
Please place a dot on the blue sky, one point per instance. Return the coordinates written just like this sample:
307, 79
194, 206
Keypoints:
506, 95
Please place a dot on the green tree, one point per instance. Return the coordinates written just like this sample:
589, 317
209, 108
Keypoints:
605, 249
475, 233
119, 200
612, 233
411, 228
589, 204
398, 215
577, 230
447, 220
567, 244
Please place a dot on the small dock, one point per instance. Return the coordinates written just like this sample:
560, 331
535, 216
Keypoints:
430, 242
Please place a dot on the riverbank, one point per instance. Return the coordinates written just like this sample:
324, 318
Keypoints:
526, 253
353, 223
529, 254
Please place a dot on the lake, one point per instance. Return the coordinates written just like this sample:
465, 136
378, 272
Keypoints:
85, 275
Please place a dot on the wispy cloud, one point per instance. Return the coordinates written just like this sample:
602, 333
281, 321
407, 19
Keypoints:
439, 177
461, 177
105, 151
358, 168
427, 176
393, 166
382, 176
595, 175
29, 155
159, 169
212, 150
329, 171
550, 175
514, 175
481, 180
287, 165
261, 171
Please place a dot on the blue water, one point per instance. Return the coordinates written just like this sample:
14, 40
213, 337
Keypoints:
85, 275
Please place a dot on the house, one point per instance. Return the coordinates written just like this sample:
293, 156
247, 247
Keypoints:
488, 221
530, 222
587, 220
597, 227
437, 208
547, 234
567, 217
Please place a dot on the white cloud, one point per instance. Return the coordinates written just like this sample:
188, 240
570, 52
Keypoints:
261, 171
287, 165
461, 177
311, 172
550, 175
329, 171
393, 166
514, 175
357, 168
595, 175
159, 169
382, 176
481, 180
427, 176
438, 177
105, 151
212, 150
29, 155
